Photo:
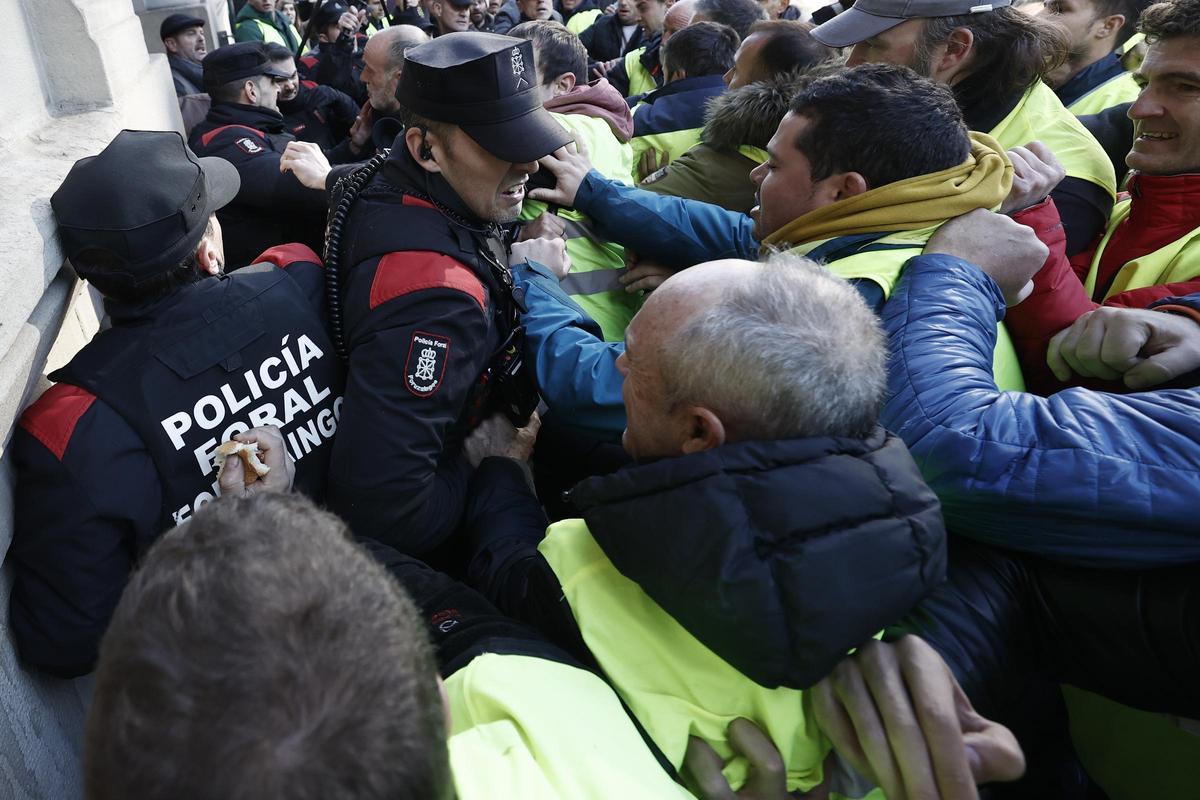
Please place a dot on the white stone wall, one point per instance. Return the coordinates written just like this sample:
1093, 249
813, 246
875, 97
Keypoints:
75, 73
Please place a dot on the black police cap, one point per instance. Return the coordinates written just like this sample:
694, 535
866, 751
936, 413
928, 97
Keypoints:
176, 23
145, 200
487, 85
242, 60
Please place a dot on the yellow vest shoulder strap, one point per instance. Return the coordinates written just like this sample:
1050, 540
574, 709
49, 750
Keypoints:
1113, 92
883, 260
1040, 115
1172, 263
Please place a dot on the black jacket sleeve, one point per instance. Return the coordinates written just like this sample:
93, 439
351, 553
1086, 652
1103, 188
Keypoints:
1084, 208
392, 476
79, 521
263, 185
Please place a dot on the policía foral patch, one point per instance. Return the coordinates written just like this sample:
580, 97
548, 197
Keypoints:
248, 145
426, 364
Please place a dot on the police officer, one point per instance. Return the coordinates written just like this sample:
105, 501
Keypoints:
122, 446
426, 305
245, 128
311, 112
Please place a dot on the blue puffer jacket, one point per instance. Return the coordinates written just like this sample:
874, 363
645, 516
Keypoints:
1085, 477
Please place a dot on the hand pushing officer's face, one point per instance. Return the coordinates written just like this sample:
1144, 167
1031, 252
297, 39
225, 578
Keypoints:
493, 189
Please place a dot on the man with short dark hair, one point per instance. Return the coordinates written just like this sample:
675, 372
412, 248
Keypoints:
737, 14
183, 38
994, 58
244, 126
857, 176
1092, 78
667, 122
123, 446
427, 318
1149, 251
739, 123
311, 112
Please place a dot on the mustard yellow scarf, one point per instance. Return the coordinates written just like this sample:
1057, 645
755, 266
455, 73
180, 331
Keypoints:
982, 181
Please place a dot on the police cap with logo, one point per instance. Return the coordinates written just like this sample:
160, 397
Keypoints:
243, 60
144, 201
485, 84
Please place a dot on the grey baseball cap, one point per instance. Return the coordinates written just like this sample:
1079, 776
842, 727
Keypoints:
867, 18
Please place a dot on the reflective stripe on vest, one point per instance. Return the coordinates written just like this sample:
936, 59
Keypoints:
1040, 116
530, 728
1113, 92
1177, 261
882, 260
672, 683
640, 79
596, 265
578, 23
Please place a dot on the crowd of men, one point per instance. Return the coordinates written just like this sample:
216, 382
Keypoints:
658, 400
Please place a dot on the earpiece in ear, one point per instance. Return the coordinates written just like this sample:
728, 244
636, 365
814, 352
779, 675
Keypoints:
426, 153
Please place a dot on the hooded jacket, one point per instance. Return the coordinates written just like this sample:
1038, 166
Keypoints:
600, 100
779, 556
738, 125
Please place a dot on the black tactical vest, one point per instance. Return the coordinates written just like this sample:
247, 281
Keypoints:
226, 356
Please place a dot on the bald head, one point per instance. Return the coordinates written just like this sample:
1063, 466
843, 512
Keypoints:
678, 17
739, 350
383, 59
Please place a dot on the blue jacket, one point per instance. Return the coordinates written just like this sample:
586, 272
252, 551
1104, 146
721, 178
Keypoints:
575, 367
1085, 477
678, 106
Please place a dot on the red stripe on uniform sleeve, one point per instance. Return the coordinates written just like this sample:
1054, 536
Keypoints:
284, 255
52, 419
410, 271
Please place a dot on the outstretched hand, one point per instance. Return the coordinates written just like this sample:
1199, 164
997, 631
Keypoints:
569, 165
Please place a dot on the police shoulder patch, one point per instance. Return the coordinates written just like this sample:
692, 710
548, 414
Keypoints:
426, 363
248, 145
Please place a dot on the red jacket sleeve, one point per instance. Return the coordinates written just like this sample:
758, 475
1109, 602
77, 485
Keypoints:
1058, 299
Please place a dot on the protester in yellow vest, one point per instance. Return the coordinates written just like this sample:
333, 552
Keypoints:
875, 138
259, 21
750, 395
1092, 77
597, 116
1151, 248
994, 58
667, 122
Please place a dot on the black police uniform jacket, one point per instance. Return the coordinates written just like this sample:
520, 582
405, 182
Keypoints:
319, 114
121, 448
427, 304
271, 207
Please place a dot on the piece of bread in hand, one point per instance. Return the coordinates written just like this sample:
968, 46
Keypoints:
248, 453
